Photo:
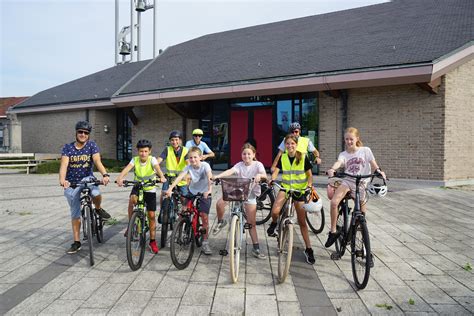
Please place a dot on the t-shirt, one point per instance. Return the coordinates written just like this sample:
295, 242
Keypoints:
282, 147
358, 162
80, 160
249, 172
202, 145
199, 179
154, 162
307, 163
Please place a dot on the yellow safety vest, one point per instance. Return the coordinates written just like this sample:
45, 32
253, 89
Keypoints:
294, 176
173, 168
143, 173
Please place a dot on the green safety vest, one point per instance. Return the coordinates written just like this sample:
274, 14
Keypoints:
294, 176
173, 168
143, 173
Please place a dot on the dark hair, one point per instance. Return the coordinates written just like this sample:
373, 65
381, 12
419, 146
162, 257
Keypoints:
142, 143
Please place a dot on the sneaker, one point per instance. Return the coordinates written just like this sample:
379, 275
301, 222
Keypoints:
206, 248
332, 237
371, 263
126, 233
271, 230
102, 213
75, 247
219, 227
153, 247
257, 254
309, 254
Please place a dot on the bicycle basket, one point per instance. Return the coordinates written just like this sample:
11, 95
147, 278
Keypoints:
235, 189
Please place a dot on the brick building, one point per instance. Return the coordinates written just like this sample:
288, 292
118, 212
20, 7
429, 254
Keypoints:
401, 72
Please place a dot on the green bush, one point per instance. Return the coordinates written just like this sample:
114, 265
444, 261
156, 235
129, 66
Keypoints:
53, 166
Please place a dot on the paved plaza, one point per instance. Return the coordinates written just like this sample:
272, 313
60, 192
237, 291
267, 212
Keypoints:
421, 237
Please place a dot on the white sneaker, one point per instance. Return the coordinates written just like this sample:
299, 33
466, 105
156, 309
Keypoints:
205, 248
257, 254
219, 227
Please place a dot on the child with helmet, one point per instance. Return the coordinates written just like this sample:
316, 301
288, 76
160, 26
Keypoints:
197, 142
145, 166
356, 159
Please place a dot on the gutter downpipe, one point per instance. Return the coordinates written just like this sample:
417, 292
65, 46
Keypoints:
344, 106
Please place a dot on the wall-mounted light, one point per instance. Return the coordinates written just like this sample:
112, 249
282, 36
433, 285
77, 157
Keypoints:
106, 129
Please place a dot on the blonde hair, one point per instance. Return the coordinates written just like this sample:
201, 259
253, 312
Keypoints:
298, 155
195, 149
252, 148
354, 131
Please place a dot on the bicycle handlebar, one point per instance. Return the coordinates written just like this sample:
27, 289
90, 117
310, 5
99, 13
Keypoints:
358, 176
146, 183
91, 181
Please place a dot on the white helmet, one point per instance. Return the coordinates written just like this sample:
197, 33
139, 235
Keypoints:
377, 189
313, 207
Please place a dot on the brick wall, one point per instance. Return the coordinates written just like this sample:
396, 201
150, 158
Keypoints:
107, 142
459, 125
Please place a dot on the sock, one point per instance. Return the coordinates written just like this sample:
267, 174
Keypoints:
256, 246
152, 240
220, 221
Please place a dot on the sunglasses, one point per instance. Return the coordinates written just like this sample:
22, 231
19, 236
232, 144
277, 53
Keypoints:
197, 135
296, 131
82, 132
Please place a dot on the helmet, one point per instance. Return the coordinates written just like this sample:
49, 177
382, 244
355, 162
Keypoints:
295, 125
142, 143
84, 125
198, 131
313, 203
377, 189
174, 134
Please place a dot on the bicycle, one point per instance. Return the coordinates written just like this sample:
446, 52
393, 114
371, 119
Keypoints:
265, 203
316, 220
236, 191
285, 232
187, 234
169, 211
361, 256
92, 224
138, 225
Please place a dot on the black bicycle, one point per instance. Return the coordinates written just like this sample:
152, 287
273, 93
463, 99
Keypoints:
355, 232
169, 212
138, 225
265, 203
92, 223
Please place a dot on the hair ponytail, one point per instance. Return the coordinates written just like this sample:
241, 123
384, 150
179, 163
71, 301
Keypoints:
354, 131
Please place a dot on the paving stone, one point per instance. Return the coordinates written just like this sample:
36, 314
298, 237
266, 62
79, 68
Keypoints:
83, 289
131, 303
289, 308
229, 302
207, 272
123, 275
62, 307
446, 309
91, 312
350, 306
34, 304
372, 299
466, 301
63, 282
5, 287
451, 286
185, 310
285, 292
259, 305
260, 284
402, 296
430, 293
198, 294
104, 269
105, 296
172, 286
147, 281
161, 306
424, 267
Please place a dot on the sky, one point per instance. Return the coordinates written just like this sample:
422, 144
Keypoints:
45, 43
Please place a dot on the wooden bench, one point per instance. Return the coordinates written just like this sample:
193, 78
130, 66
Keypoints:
27, 160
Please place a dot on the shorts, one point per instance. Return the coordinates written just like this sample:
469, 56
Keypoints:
149, 197
252, 199
204, 205
352, 186
73, 197
183, 190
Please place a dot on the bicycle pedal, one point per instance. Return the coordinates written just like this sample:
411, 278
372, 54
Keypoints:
335, 256
223, 252
247, 226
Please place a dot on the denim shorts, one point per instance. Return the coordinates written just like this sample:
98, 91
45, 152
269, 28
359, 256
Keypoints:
183, 190
73, 197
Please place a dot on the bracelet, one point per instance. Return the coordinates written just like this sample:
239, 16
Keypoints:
106, 175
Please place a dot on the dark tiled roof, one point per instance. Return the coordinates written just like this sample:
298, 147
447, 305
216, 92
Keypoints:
6, 103
99, 86
394, 33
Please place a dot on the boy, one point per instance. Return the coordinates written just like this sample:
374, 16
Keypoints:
144, 166
200, 173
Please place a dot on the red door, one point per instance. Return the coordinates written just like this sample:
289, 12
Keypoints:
252, 124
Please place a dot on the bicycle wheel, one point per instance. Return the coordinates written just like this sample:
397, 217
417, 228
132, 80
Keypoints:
136, 241
264, 206
99, 228
235, 244
87, 210
182, 243
342, 227
360, 254
285, 251
315, 221
166, 209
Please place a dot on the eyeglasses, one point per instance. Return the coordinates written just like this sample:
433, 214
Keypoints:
296, 131
197, 135
82, 132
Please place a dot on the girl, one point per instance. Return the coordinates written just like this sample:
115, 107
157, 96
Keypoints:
296, 175
248, 168
356, 159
